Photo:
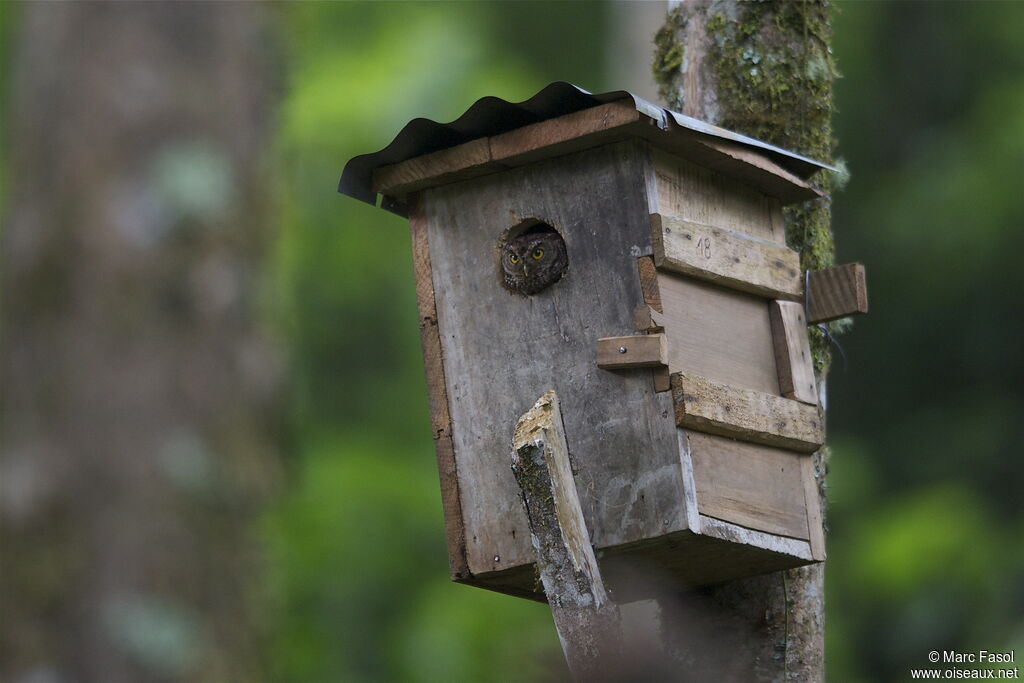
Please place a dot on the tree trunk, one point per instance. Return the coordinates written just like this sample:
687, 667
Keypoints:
139, 397
764, 69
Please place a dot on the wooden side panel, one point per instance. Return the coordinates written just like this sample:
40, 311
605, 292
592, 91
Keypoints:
749, 415
500, 348
726, 258
697, 194
716, 333
837, 292
437, 395
751, 485
793, 352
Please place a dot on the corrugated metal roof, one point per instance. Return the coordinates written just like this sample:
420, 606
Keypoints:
493, 115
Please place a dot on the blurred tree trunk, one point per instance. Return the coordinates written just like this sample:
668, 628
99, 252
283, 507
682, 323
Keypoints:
139, 399
764, 69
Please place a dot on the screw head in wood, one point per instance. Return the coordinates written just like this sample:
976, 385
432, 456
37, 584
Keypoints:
622, 349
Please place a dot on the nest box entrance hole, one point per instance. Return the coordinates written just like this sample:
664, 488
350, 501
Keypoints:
531, 257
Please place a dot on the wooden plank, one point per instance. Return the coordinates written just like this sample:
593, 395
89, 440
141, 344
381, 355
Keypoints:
564, 134
633, 351
437, 395
837, 292
446, 165
792, 352
726, 258
587, 621
499, 350
748, 415
755, 486
718, 333
697, 194
649, 282
812, 497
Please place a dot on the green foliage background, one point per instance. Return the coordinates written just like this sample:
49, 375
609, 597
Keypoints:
926, 511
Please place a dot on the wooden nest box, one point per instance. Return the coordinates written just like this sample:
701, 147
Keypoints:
674, 335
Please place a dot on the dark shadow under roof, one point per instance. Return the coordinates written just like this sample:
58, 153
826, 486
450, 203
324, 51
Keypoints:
492, 116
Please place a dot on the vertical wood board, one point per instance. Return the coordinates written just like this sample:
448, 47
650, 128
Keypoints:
793, 352
717, 333
715, 408
696, 194
437, 395
815, 523
502, 350
751, 485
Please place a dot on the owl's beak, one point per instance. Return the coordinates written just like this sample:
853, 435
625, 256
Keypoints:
526, 269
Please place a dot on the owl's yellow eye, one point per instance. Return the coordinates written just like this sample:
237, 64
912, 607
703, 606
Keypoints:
513, 258
538, 253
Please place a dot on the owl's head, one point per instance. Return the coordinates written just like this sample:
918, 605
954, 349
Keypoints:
533, 261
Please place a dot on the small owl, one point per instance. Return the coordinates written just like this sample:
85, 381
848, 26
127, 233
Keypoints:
532, 262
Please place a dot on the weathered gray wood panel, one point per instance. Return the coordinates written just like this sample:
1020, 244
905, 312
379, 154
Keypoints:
502, 350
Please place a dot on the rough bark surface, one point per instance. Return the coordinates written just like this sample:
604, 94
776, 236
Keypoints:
139, 391
764, 69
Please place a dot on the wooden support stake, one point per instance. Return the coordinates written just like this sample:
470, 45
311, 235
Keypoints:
587, 621
836, 293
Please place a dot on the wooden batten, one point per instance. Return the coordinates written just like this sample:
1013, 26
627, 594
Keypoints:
792, 352
634, 351
836, 292
726, 258
748, 415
